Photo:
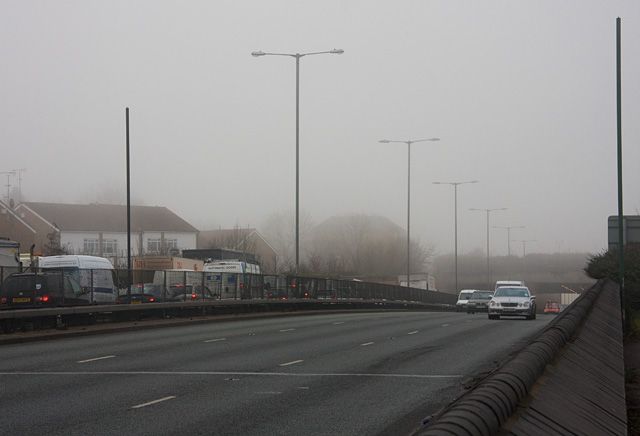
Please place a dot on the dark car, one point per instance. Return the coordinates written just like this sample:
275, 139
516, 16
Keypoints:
195, 292
37, 290
145, 293
479, 301
277, 294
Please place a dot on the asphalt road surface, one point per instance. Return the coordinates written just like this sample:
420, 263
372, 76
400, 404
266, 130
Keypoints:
329, 374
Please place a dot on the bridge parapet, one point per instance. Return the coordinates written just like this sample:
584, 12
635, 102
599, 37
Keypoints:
568, 380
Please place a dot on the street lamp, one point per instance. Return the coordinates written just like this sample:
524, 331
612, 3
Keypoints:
297, 56
524, 254
509, 236
455, 208
488, 262
386, 141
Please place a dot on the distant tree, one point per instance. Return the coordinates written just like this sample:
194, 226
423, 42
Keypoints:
53, 247
280, 231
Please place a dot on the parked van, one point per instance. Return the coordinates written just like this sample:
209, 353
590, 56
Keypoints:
95, 275
500, 283
173, 277
463, 298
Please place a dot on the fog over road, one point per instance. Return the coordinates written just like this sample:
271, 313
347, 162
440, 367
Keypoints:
341, 374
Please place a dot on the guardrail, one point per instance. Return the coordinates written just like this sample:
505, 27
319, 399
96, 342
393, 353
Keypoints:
582, 391
218, 293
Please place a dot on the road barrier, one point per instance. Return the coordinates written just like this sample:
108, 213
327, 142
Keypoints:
582, 391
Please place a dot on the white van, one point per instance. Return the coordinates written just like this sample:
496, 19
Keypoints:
95, 274
500, 283
232, 267
172, 277
463, 298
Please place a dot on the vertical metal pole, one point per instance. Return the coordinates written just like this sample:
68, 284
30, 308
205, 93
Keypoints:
297, 162
620, 209
455, 220
488, 263
408, 214
128, 206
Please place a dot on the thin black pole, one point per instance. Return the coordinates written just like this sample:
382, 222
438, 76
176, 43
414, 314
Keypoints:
620, 209
298, 56
128, 202
408, 215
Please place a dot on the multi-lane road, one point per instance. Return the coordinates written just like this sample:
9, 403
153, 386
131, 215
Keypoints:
331, 374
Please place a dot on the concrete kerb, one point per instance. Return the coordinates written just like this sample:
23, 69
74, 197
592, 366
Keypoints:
514, 379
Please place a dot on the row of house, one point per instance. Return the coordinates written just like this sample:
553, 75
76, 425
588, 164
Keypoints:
101, 230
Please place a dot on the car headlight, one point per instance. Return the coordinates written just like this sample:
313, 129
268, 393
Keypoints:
525, 304
494, 303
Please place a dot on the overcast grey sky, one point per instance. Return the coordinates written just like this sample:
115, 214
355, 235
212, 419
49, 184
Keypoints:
521, 93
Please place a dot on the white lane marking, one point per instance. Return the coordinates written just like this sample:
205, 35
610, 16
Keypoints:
95, 358
153, 402
339, 322
445, 325
367, 343
216, 340
286, 330
413, 332
291, 363
226, 373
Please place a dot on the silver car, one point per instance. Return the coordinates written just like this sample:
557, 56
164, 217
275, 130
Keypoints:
512, 301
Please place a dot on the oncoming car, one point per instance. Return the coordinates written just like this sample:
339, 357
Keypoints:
463, 298
479, 301
512, 301
552, 307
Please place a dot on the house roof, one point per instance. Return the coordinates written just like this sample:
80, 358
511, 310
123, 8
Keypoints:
108, 217
237, 235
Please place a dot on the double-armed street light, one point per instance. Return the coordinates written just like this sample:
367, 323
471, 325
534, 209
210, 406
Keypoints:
297, 57
455, 214
488, 261
387, 141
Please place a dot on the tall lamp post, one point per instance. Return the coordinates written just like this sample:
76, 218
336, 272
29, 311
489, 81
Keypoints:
386, 141
509, 236
524, 253
455, 214
488, 261
297, 57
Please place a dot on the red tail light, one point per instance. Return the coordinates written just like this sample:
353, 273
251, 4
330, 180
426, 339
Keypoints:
193, 296
4, 300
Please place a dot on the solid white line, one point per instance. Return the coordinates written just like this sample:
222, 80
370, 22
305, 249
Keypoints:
216, 340
367, 343
291, 363
94, 359
153, 402
340, 322
225, 373
286, 330
446, 325
413, 333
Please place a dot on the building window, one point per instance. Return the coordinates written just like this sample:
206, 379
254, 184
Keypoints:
154, 245
171, 244
91, 246
110, 246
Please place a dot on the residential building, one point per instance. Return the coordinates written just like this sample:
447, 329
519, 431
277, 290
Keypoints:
98, 229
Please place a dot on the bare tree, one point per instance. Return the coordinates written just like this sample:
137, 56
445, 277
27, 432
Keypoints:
279, 229
53, 247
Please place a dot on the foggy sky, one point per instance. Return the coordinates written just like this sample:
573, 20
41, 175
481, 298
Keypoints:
522, 95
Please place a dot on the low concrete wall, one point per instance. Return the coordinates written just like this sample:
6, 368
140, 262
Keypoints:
569, 380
